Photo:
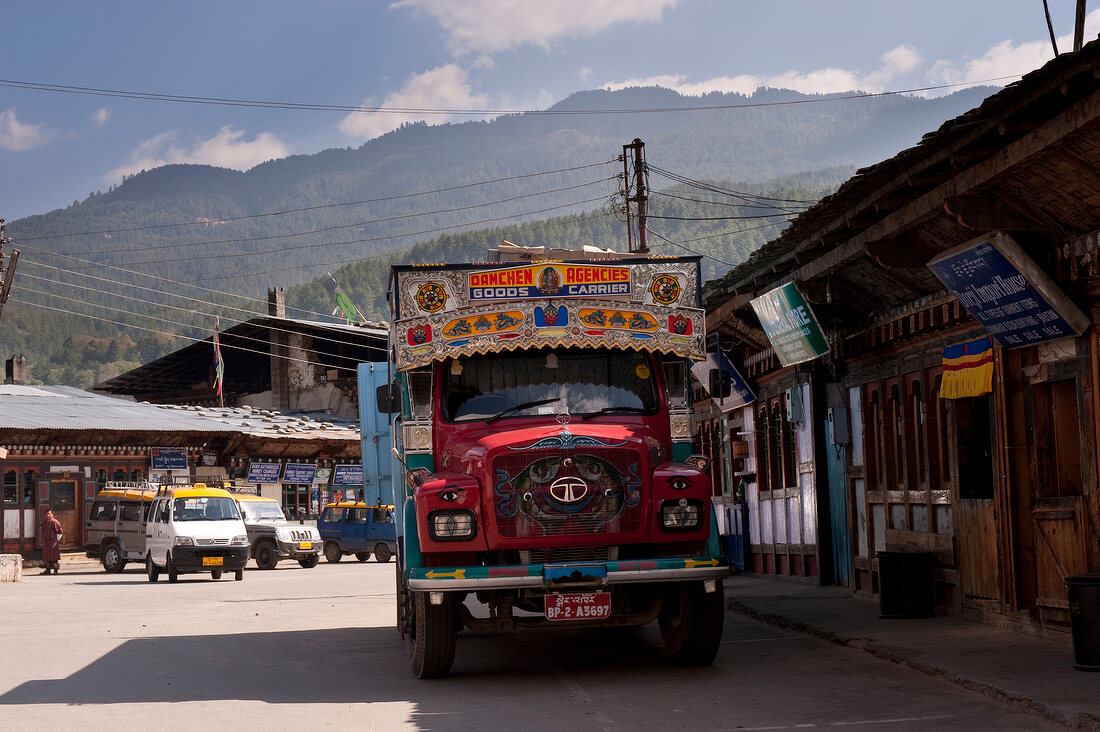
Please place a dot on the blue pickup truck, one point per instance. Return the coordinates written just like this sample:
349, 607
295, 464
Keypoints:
351, 527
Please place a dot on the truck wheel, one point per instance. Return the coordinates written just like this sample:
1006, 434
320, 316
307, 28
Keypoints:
431, 644
691, 623
151, 569
266, 556
112, 558
173, 574
216, 573
382, 553
310, 562
333, 553
362, 556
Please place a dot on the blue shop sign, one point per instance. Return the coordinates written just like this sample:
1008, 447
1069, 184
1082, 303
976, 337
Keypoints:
169, 458
264, 472
1005, 291
347, 475
299, 473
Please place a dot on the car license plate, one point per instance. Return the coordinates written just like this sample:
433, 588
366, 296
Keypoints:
578, 606
211, 561
305, 545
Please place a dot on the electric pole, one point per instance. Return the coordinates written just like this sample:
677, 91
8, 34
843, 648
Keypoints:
637, 194
7, 267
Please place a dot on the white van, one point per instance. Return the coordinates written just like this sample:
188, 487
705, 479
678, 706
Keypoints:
195, 529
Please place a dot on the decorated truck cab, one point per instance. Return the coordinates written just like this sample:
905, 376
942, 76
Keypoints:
544, 426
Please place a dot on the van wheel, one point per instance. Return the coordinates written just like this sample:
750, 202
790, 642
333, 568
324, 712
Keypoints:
382, 553
311, 561
333, 553
112, 558
266, 556
173, 575
239, 575
216, 573
362, 556
151, 569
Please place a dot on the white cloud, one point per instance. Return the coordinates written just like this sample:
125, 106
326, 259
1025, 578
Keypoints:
227, 149
895, 62
490, 26
101, 117
1008, 59
445, 87
20, 136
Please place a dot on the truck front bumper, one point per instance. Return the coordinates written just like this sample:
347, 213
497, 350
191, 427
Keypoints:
520, 576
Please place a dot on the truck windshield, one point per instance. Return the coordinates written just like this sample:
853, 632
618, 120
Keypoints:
499, 386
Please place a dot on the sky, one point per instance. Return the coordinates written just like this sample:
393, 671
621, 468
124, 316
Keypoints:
77, 77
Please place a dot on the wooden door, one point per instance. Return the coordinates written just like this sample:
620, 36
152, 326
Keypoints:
64, 501
975, 512
839, 519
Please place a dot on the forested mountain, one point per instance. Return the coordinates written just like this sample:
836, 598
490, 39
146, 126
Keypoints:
149, 263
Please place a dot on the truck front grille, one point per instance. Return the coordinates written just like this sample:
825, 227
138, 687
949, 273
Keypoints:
594, 491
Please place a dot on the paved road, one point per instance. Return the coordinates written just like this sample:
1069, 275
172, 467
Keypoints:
316, 649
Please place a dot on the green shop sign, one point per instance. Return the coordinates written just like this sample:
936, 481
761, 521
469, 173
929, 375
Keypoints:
791, 327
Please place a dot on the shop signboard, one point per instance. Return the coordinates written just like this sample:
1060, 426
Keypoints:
791, 327
299, 473
347, 475
1007, 292
168, 458
321, 477
740, 392
264, 472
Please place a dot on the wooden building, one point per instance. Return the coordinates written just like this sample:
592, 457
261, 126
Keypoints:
859, 451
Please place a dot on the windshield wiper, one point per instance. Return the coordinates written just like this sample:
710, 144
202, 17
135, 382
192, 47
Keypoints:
622, 409
518, 407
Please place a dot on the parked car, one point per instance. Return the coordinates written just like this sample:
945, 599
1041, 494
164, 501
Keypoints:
351, 527
116, 524
194, 528
273, 537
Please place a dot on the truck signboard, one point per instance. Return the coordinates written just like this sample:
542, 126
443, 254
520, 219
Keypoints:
544, 440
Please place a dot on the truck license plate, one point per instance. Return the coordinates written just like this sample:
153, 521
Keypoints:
305, 545
578, 606
211, 561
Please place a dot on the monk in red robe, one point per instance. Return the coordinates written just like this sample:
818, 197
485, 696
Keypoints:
51, 542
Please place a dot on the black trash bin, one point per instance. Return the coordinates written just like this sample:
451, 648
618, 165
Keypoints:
1084, 618
906, 584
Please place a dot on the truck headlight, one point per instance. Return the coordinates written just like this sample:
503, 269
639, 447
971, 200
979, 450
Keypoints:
183, 541
681, 515
452, 525
239, 540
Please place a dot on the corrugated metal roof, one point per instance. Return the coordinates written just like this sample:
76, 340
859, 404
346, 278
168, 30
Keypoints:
69, 408
273, 424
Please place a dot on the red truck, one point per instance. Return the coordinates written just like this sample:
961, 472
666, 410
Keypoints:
544, 426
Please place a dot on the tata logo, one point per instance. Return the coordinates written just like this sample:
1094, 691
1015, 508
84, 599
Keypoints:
568, 489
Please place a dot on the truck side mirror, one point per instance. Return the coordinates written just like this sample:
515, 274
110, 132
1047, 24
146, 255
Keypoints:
721, 384
388, 397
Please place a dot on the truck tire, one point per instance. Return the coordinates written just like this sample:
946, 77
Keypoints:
266, 556
311, 561
152, 570
691, 623
382, 553
333, 553
362, 556
431, 644
111, 557
173, 574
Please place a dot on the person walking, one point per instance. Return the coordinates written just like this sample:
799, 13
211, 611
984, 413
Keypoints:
51, 542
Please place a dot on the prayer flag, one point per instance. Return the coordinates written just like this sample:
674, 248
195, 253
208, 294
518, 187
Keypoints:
967, 369
219, 366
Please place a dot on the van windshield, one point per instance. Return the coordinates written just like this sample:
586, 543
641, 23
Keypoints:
205, 508
262, 510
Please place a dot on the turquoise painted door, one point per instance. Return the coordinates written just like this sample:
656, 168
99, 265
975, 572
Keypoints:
374, 430
837, 460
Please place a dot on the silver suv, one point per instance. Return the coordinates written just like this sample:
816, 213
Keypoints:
273, 537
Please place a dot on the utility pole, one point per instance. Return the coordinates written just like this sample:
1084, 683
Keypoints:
7, 270
636, 193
